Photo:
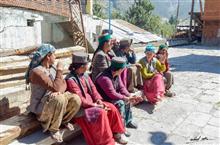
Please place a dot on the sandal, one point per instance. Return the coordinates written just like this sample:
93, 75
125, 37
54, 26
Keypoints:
69, 126
120, 138
57, 136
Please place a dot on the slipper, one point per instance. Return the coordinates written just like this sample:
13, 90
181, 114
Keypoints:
57, 136
69, 126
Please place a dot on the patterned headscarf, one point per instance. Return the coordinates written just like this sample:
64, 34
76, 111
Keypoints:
37, 57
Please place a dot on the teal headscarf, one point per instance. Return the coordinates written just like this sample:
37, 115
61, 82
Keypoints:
163, 46
150, 48
37, 57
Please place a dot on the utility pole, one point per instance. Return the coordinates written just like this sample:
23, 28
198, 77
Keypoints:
191, 17
177, 14
109, 15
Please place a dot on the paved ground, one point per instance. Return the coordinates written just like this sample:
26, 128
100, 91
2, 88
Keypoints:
193, 116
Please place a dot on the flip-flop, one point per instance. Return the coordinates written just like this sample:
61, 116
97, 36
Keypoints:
57, 136
69, 126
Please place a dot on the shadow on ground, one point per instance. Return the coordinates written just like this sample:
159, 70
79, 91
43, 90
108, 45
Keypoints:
146, 106
197, 63
198, 47
159, 138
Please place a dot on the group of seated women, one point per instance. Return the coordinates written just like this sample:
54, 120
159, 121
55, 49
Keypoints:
99, 102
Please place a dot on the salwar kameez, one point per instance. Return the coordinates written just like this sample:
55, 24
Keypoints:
101, 131
113, 90
125, 111
151, 72
154, 88
98, 131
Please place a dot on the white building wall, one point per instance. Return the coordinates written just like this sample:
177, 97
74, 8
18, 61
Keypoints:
14, 32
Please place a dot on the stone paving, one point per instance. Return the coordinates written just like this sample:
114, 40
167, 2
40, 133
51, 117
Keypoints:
193, 115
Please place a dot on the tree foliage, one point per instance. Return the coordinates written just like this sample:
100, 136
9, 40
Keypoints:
116, 14
98, 9
141, 15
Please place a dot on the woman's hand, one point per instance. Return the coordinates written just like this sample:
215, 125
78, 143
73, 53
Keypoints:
129, 99
162, 58
60, 66
98, 105
53, 95
138, 65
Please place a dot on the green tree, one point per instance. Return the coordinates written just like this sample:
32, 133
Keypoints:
167, 30
141, 15
116, 14
98, 9
172, 20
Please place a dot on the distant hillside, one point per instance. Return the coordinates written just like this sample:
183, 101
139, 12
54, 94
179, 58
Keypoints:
163, 8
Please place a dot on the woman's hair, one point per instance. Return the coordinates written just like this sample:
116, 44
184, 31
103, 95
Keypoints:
75, 66
100, 47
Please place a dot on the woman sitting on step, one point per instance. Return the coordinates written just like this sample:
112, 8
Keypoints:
49, 101
112, 89
100, 121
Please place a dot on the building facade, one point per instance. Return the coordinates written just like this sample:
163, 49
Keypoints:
211, 18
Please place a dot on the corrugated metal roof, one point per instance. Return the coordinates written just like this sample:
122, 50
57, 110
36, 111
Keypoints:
121, 29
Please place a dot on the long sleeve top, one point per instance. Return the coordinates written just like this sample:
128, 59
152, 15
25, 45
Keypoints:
149, 68
42, 78
166, 62
131, 57
43, 82
101, 61
111, 87
90, 97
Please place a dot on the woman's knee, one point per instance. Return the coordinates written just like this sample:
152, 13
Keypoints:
75, 98
120, 102
111, 106
61, 99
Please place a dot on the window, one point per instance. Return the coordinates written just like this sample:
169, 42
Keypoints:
30, 22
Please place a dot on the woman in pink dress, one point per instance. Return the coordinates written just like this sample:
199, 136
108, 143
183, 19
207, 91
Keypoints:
152, 69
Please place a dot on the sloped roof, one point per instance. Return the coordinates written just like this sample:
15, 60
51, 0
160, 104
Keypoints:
121, 29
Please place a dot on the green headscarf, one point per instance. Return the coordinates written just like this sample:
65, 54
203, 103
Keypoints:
104, 38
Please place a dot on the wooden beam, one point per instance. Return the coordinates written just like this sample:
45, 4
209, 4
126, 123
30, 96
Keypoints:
191, 17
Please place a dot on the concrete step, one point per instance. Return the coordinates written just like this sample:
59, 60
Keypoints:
16, 127
22, 125
10, 110
21, 67
40, 138
12, 77
11, 83
19, 51
16, 65
13, 101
